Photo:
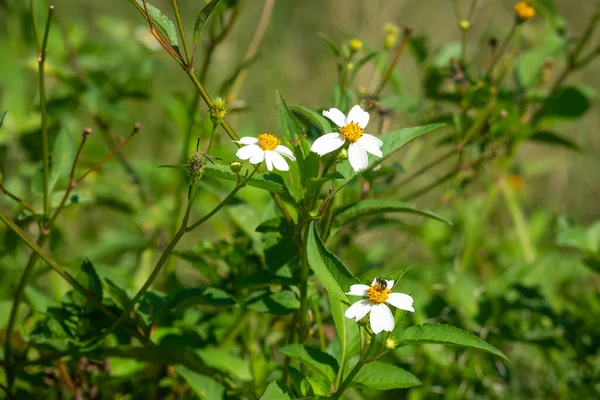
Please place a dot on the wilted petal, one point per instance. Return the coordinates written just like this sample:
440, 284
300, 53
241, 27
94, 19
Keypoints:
247, 140
277, 160
336, 116
328, 143
358, 116
358, 290
284, 151
357, 157
381, 318
359, 309
247, 152
371, 144
401, 301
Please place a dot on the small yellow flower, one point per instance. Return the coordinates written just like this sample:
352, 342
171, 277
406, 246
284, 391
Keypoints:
524, 10
392, 31
464, 25
356, 45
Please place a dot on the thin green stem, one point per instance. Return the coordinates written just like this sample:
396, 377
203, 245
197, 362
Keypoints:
181, 31
211, 141
303, 279
44, 112
235, 329
502, 48
405, 39
17, 199
519, 221
36, 34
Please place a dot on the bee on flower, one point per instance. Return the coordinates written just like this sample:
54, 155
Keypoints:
350, 131
379, 293
267, 148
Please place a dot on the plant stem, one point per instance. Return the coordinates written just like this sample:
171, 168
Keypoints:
17, 199
518, 219
388, 73
181, 31
44, 111
303, 278
502, 48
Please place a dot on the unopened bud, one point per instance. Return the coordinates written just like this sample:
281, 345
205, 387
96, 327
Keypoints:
235, 166
391, 343
195, 166
218, 110
355, 45
464, 25
349, 66
391, 35
137, 128
341, 156
87, 132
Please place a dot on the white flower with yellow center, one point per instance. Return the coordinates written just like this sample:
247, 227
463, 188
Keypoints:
379, 293
351, 131
267, 148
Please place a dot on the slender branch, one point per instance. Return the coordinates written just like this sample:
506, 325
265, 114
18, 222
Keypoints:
303, 279
497, 55
36, 34
8, 392
17, 199
427, 167
405, 39
181, 31
519, 220
44, 111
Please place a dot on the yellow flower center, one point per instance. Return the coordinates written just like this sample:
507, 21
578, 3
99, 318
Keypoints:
267, 141
524, 10
352, 132
377, 294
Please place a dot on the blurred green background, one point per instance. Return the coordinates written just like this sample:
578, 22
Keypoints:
131, 80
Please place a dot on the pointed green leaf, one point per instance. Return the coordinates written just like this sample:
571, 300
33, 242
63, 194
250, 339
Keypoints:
89, 279
555, 139
347, 331
161, 21
63, 155
314, 358
332, 46
275, 391
382, 376
206, 388
224, 361
315, 117
202, 18
392, 142
369, 208
258, 180
331, 272
446, 334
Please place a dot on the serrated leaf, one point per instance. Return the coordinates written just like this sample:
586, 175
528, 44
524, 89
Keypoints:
275, 391
446, 334
315, 117
331, 272
314, 358
369, 208
382, 376
392, 142
206, 388
161, 21
202, 18
63, 155
258, 180
226, 362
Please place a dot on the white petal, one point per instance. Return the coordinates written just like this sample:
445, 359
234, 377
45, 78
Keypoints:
247, 140
257, 157
381, 318
359, 309
284, 151
401, 301
336, 116
358, 290
359, 116
328, 143
278, 161
374, 282
357, 156
390, 283
247, 152
269, 160
371, 144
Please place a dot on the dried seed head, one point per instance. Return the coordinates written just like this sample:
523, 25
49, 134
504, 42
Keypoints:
195, 166
218, 110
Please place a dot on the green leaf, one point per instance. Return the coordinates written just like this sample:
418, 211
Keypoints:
331, 272
206, 388
315, 117
347, 331
290, 127
202, 18
63, 155
332, 46
2, 115
161, 21
382, 376
446, 334
314, 358
258, 180
369, 208
569, 102
392, 142
280, 303
89, 279
275, 391
226, 362
203, 295
554, 139
528, 68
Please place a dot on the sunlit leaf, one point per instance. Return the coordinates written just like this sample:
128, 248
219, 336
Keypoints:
314, 359
202, 18
382, 376
205, 387
370, 207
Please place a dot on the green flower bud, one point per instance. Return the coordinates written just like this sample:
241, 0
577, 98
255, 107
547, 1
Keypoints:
195, 166
341, 156
218, 110
464, 25
391, 343
235, 166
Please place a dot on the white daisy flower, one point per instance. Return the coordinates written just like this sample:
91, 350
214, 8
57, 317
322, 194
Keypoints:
266, 147
379, 293
351, 131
